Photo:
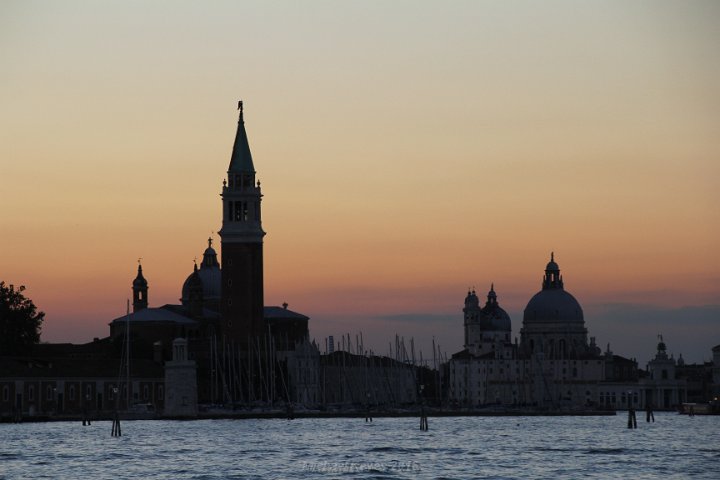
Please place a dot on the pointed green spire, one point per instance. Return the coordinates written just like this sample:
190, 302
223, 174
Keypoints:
241, 160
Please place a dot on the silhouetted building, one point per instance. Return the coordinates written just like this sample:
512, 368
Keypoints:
242, 245
553, 366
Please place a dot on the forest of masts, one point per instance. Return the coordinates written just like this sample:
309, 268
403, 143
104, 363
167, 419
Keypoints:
258, 374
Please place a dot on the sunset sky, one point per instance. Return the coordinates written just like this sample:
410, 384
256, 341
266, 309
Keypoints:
407, 150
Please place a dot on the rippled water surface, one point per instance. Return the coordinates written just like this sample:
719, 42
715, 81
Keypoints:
469, 447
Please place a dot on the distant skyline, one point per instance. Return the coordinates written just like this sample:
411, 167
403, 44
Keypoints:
407, 151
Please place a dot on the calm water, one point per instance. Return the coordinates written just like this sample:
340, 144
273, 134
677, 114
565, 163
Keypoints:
472, 447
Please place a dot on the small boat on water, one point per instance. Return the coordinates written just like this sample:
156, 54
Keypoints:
692, 408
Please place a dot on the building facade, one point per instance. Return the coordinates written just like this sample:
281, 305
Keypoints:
554, 365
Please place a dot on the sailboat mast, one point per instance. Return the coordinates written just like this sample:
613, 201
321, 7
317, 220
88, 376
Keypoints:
127, 353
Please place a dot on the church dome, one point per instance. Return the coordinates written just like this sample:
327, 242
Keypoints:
210, 280
553, 304
493, 316
208, 275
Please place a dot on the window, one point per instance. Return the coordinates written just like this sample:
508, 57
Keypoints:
6, 393
161, 392
31, 393
49, 394
71, 392
664, 374
146, 392
88, 392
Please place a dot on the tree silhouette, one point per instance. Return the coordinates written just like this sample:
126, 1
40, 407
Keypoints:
20, 322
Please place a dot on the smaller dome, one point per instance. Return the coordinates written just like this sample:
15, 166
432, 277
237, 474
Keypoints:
207, 277
494, 317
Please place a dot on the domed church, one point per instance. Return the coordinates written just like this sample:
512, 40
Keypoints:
553, 365
222, 303
553, 322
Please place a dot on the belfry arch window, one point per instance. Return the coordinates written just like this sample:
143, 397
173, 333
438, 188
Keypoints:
239, 211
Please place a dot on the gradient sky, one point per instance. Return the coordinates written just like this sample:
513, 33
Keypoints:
407, 150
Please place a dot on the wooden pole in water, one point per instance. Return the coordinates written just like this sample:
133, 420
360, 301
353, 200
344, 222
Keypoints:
423, 415
116, 431
649, 413
632, 420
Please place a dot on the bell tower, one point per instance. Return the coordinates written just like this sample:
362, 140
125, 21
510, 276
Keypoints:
140, 291
242, 299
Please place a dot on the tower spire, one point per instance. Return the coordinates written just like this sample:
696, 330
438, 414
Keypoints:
241, 159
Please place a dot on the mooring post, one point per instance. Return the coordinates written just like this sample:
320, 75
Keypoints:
423, 415
116, 431
632, 419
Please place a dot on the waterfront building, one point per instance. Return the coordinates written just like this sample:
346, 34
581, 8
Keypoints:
554, 365
222, 345
662, 388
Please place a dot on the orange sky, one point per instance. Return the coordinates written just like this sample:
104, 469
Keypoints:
407, 150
